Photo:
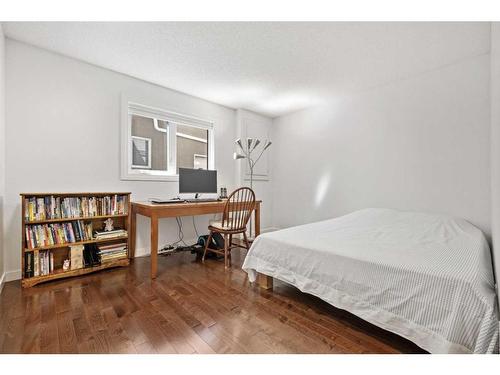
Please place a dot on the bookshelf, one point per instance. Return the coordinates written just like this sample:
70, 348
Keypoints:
53, 223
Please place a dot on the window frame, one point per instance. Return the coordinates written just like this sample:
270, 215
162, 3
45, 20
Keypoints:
148, 141
199, 156
130, 108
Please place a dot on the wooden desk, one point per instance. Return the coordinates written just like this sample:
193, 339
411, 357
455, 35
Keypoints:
158, 211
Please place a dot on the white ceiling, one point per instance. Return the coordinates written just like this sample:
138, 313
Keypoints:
271, 68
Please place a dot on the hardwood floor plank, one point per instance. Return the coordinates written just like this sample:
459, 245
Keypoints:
145, 348
32, 322
12, 342
154, 333
100, 342
49, 341
117, 339
173, 335
171, 313
133, 330
66, 333
82, 329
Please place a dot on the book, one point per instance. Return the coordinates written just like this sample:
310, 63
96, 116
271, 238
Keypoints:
110, 234
36, 260
76, 256
91, 256
51, 261
111, 257
29, 265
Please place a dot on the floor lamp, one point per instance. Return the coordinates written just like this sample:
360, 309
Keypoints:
249, 151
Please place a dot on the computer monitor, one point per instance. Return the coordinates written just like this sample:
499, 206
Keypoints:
197, 181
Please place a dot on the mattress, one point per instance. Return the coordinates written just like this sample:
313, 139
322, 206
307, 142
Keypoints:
425, 277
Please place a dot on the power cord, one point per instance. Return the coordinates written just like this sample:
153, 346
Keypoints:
180, 234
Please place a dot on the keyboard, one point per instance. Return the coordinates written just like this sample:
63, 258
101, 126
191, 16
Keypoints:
163, 201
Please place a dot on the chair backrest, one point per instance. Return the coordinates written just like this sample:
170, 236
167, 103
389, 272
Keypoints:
238, 209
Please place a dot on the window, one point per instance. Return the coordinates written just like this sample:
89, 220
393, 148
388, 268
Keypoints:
157, 143
192, 147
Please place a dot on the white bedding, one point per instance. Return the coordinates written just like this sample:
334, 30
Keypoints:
425, 277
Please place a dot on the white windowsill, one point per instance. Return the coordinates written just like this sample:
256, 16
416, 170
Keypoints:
149, 177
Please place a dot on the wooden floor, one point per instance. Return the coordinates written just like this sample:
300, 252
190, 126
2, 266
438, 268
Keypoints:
190, 308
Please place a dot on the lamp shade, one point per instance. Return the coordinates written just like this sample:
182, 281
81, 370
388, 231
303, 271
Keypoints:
238, 142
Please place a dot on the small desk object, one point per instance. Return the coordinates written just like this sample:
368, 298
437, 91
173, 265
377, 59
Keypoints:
157, 211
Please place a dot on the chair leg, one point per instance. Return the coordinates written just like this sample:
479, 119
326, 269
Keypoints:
246, 240
226, 245
206, 247
230, 248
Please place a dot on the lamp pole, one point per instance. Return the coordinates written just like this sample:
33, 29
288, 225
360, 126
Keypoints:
247, 153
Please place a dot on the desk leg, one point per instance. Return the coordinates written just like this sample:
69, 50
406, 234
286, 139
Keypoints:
257, 219
154, 245
132, 233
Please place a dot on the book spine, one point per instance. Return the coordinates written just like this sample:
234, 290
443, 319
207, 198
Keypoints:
52, 207
32, 238
81, 231
28, 238
31, 210
27, 265
74, 226
36, 268
26, 212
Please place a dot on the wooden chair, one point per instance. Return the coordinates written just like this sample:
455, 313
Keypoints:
237, 212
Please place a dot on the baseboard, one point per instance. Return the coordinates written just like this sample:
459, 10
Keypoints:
2, 281
139, 253
12, 275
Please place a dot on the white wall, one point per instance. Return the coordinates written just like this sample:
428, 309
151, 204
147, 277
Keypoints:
2, 149
415, 144
495, 145
63, 135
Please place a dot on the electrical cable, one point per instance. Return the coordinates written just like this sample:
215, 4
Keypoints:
180, 234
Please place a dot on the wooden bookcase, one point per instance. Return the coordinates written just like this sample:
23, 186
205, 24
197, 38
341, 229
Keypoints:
61, 251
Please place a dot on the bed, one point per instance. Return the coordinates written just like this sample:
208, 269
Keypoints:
425, 277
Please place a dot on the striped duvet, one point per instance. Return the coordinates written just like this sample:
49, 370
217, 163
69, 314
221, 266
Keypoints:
425, 277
